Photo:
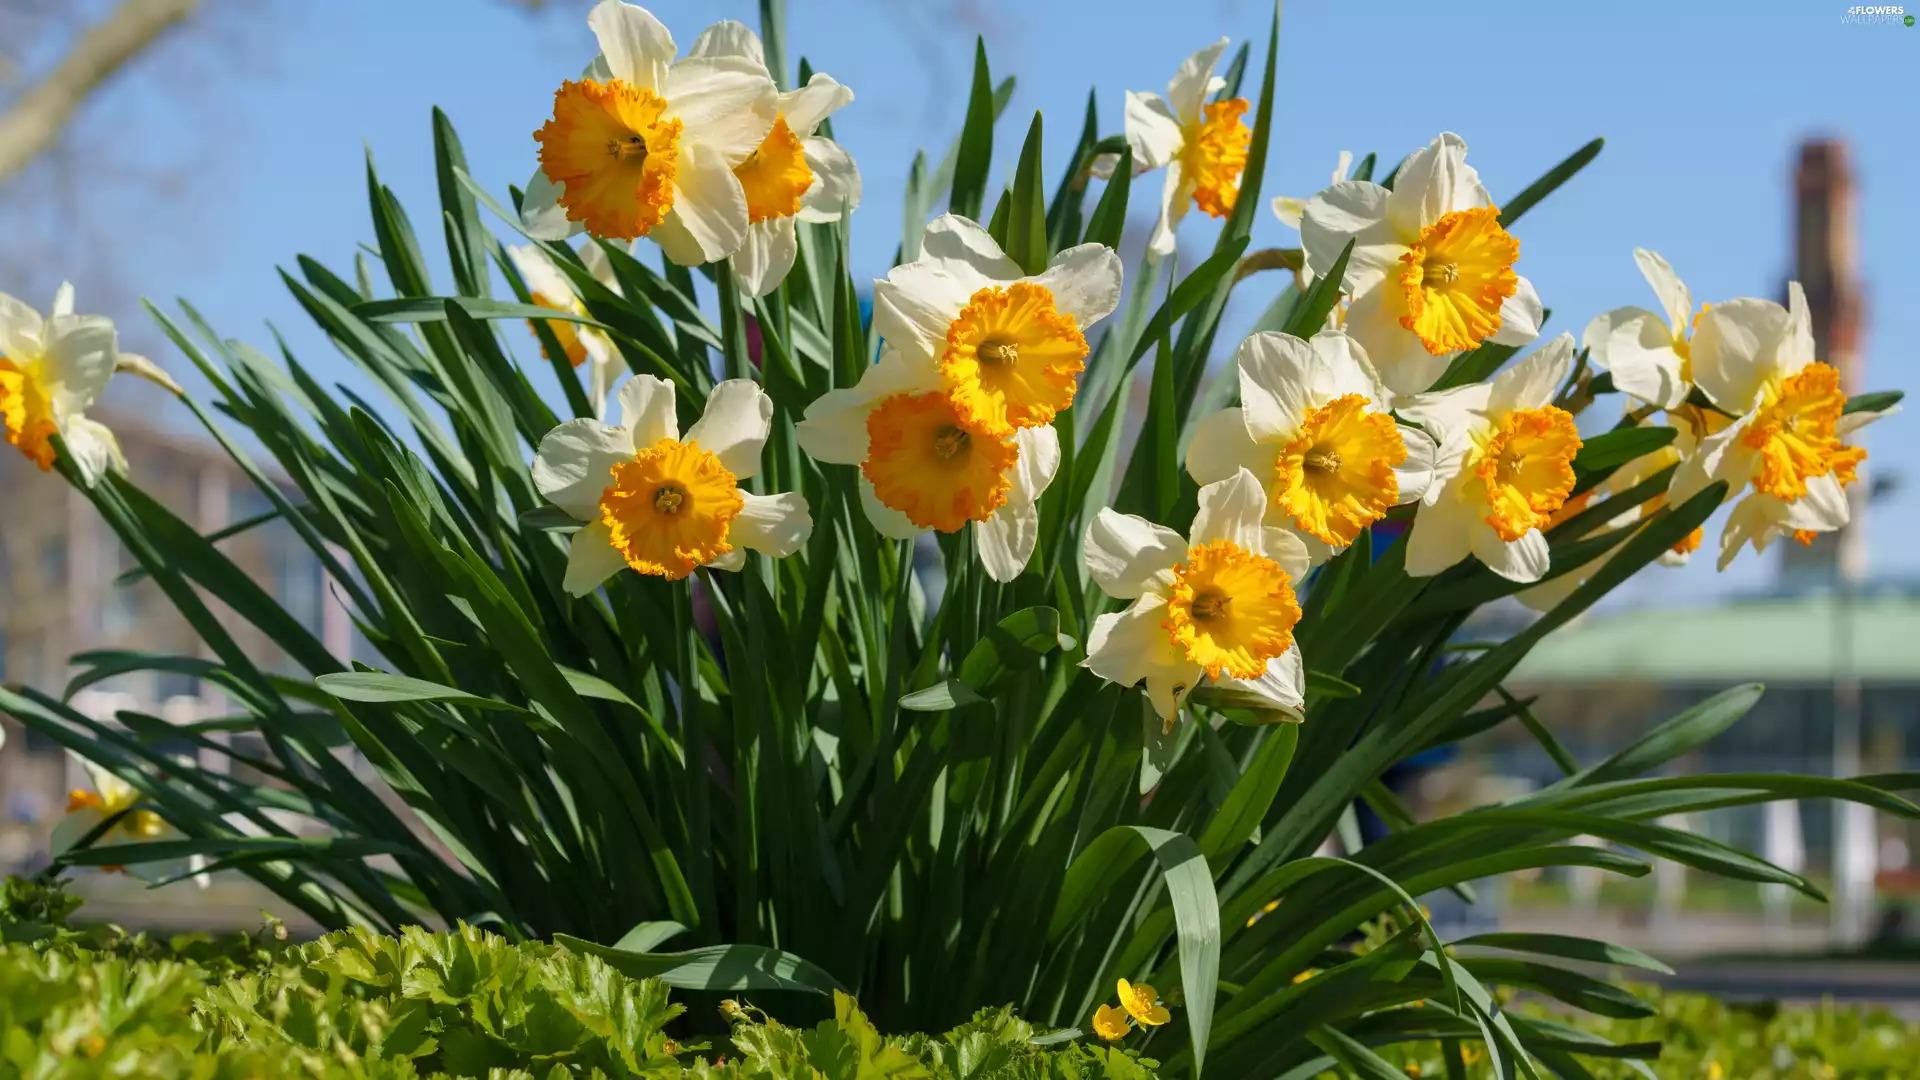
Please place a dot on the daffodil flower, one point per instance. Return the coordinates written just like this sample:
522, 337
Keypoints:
52, 371
662, 503
1202, 146
1314, 427
1504, 467
1110, 1023
1218, 606
1431, 272
583, 344
1290, 210
646, 145
925, 466
1142, 1002
113, 797
795, 175
1786, 452
1650, 355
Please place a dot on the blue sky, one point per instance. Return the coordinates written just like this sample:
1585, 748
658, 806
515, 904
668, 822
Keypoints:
1702, 106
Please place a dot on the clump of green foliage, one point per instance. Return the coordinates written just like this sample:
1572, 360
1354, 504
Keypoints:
359, 1005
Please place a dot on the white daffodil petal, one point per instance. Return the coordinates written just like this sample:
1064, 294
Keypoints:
952, 238
1085, 282
1736, 348
732, 562
777, 525
1520, 316
730, 38
541, 215
1126, 554
1433, 182
1439, 538
1232, 510
1446, 414
1289, 210
835, 427
914, 304
1823, 508
1222, 447
1723, 455
1275, 392
1006, 540
647, 411
708, 221
594, 258
1034, 468
1282, 685
1404, 365
739, 415
1523, 560
1533, 382
68, 831
820, 98
21, 329
1350, 210
1673, 294
1751, 521
542, 277
1637, 346
763, 261
638, 49
836, 181
726, 102
1419, 471
94, 448
575, 464
81, 351
1153, 131
604, 366
1188, 89
1285, 547
1797, 350
1129, 646
591, 559
62, 300
1176, 195
886, 520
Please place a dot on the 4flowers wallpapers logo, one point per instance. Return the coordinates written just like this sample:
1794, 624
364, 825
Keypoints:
953, 429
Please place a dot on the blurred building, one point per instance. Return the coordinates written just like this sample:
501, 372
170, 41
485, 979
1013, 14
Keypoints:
63, 592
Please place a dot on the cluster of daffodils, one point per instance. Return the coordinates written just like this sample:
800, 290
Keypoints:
52, 370
1139, 1003
702, 153
1749, 403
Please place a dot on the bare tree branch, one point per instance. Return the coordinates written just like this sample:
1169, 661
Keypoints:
37, 118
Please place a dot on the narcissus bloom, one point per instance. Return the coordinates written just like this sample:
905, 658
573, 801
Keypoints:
1431, 272
583, 344
1290, 210
662, 503
644, 145
1110, 1022
794, 175
1314, 427
1504, 468
1010, 348
1142, 1002
1651, 356
1755, 360
1202, 145
925, 466
111, 796
52, 370
1220, 606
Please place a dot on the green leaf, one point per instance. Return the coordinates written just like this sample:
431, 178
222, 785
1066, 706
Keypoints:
1566, 947
1027, 221
1612, 449
432, 309
1544, 186
549, 519
1874, 401
379, 687
1321, 684
1014, 643
1353, 1055
1110, 213
1677, 736
976, 141
1310, 314
645, 936
716, 967
949, 694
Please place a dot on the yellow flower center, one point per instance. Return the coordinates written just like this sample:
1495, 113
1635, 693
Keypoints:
1110, 1022
775, 176
567, 333
930, 464
1335, 477
1525, 469
81, 799
1012, 358
1139, 1000
26, 412
1215, 154
613, 156
1455, 278
143, 825
1230, 610
670, 508
1683, 345
1793, 432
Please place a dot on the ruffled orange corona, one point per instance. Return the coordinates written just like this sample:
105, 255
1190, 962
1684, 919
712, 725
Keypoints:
27, 413
613, 156
670, 508
930, 464
1231, 611
1215, 154
776, 176
1335, 477
1526, 469
1794, 432
1012, 358
1456, 277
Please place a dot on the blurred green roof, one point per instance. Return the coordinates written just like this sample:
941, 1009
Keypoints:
1784, 639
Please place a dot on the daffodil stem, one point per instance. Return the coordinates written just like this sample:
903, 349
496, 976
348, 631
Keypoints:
693, 744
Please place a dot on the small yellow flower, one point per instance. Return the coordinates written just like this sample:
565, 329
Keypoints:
1141, 1001
1714, 1071
1305, 975
1110, 1022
